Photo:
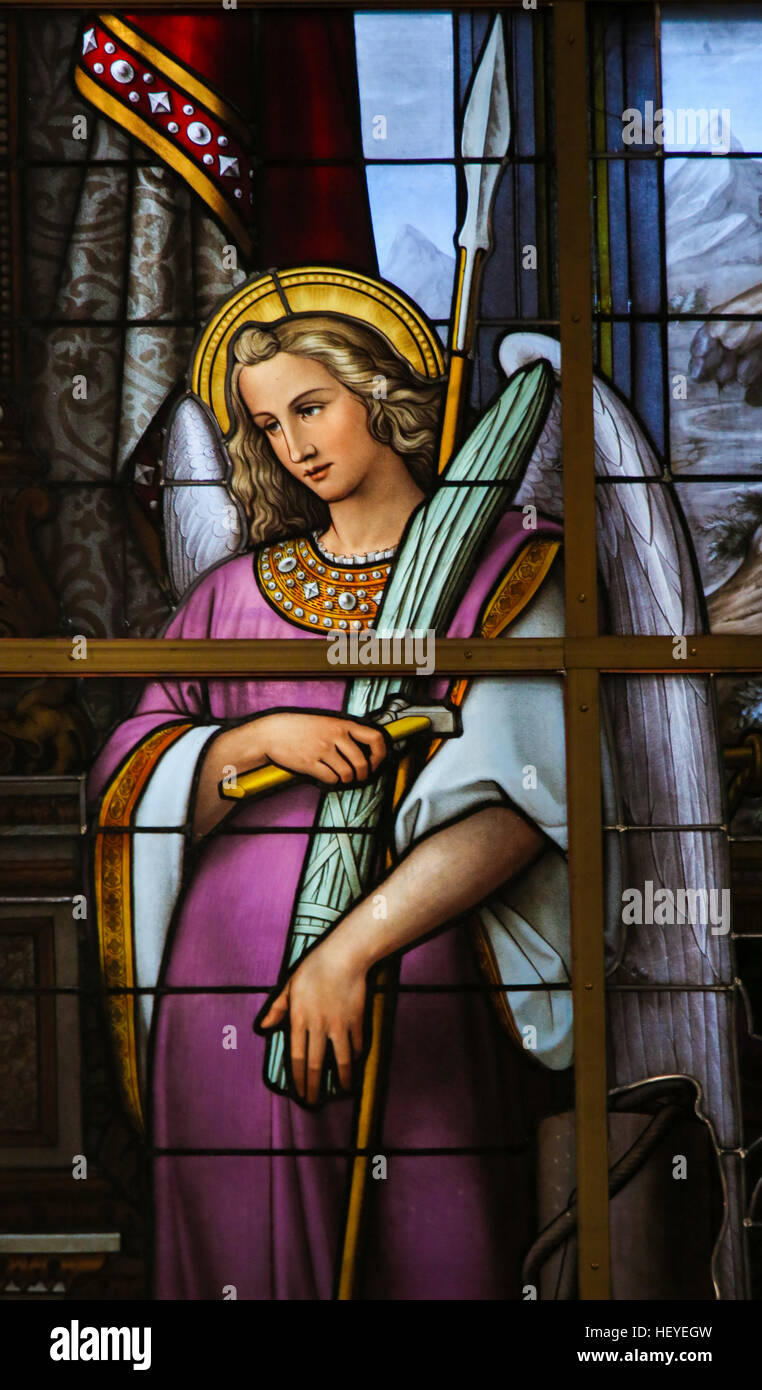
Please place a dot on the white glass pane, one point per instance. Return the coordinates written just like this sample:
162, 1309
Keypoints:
406, 78
711, 61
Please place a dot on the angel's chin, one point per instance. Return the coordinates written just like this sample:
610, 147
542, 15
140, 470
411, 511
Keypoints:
330, 490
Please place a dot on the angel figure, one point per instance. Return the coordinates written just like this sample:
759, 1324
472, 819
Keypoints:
242, 935
328, 388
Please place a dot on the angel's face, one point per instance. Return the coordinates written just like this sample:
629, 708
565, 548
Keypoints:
318, 430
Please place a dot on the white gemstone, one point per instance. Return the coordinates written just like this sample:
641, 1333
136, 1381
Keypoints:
271, 585
334, 574
148, 77
356, 623
327, 622
173, 127
209, 159
290, 583
321, 569
187, 109
298, 612
376, 574
343, 623
160, 101
311, 589
237, 193
222, 140
364, 608
362, 576
288, 603
278, 595
122, 71
97, 67
361, 592
229, 166
347, 602
199, 133
89, 41
300, 574
110, 47
134, 96
313, 617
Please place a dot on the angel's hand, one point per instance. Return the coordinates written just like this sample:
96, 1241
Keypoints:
324, 1001
330, 748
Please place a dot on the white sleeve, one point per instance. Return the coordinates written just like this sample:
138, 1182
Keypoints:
157, 861
512, 748
512, 745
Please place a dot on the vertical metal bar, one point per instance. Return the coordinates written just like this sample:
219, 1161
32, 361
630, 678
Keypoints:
582, 692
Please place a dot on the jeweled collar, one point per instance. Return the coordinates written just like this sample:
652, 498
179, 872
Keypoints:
318, 593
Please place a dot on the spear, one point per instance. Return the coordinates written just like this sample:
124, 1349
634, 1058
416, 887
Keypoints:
485, 138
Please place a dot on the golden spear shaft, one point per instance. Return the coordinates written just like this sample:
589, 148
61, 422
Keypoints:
484, 145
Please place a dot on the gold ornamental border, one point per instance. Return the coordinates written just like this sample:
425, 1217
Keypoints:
322, 614
113, 907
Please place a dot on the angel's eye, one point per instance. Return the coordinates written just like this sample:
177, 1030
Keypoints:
271, 427
309, 410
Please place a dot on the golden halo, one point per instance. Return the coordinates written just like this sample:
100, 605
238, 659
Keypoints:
311, 289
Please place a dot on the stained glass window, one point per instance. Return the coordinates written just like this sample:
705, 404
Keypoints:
231, 303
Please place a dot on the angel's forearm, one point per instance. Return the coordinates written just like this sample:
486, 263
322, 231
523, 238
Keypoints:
444, 876
224, 752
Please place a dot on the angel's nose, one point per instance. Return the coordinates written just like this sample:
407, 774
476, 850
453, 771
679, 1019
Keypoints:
298, 444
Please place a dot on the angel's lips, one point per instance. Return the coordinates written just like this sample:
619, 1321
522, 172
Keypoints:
315, 474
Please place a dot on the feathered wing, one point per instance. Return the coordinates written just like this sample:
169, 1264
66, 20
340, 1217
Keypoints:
203, 524
667, 761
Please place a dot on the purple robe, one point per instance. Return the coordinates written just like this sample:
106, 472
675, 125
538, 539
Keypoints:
444, 1225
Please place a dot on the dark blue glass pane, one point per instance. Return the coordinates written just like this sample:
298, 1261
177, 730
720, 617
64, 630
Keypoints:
647, 379
644, 236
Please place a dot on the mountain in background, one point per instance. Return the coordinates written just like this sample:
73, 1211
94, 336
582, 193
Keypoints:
714, 228
419, 268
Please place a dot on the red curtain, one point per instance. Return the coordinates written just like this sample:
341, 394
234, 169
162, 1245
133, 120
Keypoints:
309, 110
292, 72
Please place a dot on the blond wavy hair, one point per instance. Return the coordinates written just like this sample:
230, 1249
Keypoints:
406, 417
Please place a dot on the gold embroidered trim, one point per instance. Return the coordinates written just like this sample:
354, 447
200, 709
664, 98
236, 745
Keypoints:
311, 592
520, 584
514, 590
113, 906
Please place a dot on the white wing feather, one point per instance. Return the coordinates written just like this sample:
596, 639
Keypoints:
203, 524
666, 747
